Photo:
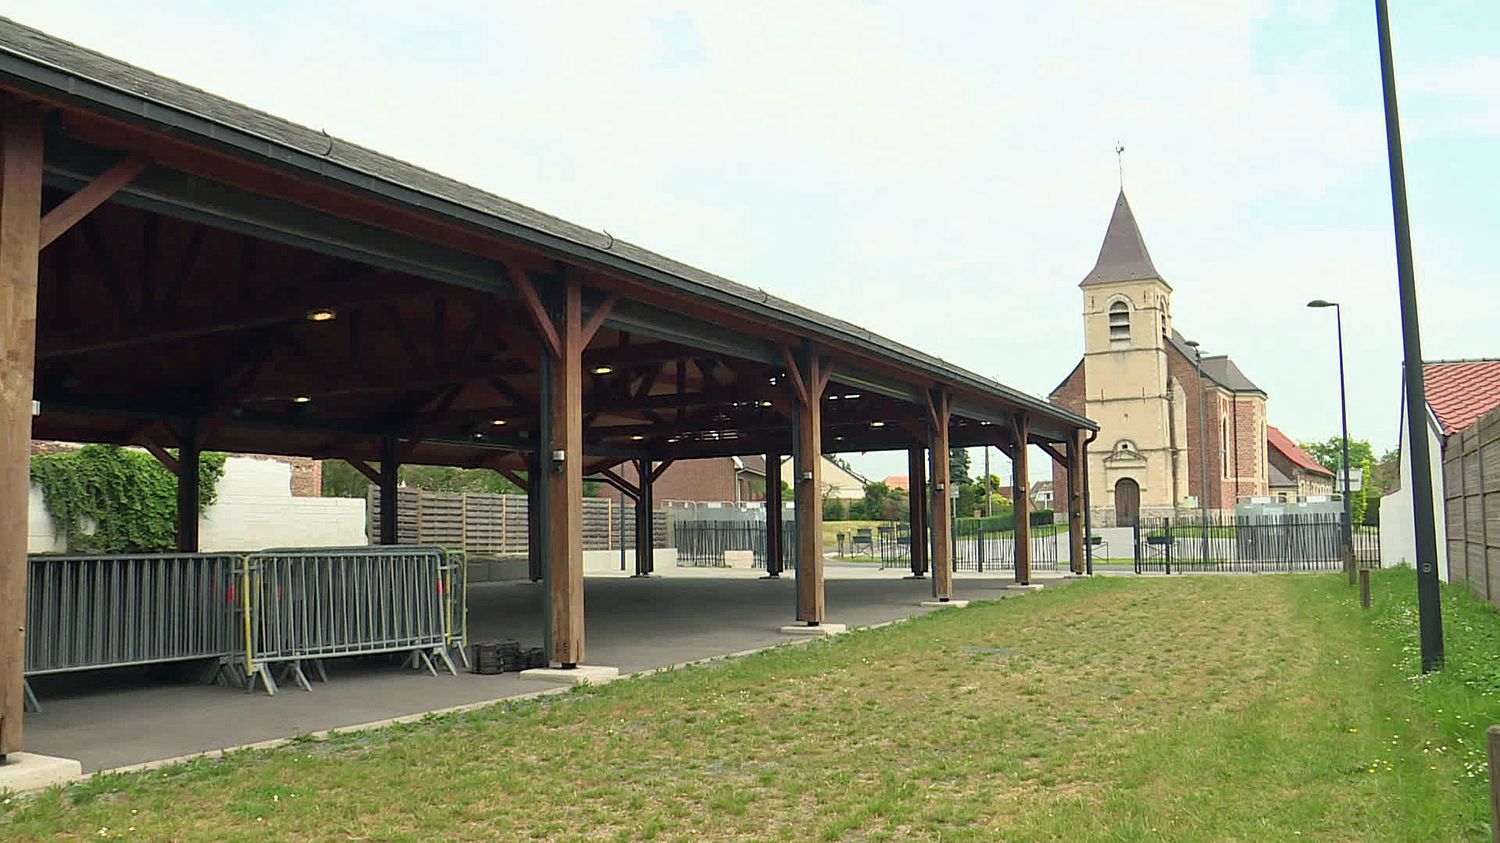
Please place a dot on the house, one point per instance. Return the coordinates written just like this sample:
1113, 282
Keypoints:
1458, 393
1145, 386
1294, 474
1041, 495
715, 479
898, 481
839, 483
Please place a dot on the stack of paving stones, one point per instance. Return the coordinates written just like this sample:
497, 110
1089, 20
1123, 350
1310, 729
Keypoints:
536, 657
504, 657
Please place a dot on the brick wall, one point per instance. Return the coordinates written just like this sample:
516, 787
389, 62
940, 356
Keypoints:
1070, 396
690, 480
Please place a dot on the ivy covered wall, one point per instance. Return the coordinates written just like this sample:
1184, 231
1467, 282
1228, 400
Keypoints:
126, 497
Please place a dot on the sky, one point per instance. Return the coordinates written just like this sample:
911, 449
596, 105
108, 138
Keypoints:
938, 172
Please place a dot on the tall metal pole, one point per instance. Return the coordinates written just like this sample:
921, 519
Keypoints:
1428, 608
1202, 463
1338, 316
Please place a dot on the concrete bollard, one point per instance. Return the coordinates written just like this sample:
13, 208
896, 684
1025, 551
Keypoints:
1492, 749
1364, 588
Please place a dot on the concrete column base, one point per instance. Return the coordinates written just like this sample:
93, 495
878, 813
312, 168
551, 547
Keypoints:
820, 629
942, 604
584, 674
25, 771
1033, 586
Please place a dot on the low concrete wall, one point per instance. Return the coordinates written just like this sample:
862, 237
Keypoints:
608, 561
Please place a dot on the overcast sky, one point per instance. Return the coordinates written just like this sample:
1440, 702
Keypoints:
939, 172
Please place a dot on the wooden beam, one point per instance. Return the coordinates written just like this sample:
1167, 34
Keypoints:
661, 469
645, 525
514, 476
390, 472
565, 482
188, 461
916, 481
67, 214
595, 321
20, 223
1021, 505
807, 485
370, 472
167, 460
793, 371
774, 538
1051, 450
539, 318
614, 479
941, 507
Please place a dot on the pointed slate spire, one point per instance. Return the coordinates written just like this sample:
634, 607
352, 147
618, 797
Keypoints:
1123, 257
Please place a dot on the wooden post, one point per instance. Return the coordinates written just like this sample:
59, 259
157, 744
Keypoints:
564, 479
773, 516
645, 528
1020, 486
941, 508
390, 469
1492, 750
188, 460
809, 377
916, 473
1075, 502
1364, 588
20, 222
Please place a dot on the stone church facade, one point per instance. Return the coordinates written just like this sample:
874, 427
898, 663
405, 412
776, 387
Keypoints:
1139, 380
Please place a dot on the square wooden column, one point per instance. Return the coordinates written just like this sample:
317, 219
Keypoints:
809, 376
941, 508
1075, 501
916, 473
20, 224
390, 505
645, 528
774, 537
1020, 487
564, 336
535, 550
188, 461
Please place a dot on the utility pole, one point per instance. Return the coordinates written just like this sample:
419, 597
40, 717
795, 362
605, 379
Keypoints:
1429, 610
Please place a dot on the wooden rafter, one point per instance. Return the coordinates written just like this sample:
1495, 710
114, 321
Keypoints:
793, 371
539, 317
597, 320
67, 214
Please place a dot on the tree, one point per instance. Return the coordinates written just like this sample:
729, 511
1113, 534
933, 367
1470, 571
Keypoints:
958, 466
1360, 498
1330, 452
341, 480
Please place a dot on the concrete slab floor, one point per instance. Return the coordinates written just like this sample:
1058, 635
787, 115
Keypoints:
109, 719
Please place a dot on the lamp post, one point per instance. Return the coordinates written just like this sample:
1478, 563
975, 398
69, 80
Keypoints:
1429, 608
1202, 454
1338, 315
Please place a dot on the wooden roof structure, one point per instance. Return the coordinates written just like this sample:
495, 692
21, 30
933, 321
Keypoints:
304, 295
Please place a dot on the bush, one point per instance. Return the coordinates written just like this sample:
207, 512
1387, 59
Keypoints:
1042, 517
833, 510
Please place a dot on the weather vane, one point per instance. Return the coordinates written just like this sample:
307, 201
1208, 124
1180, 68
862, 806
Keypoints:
1120, 160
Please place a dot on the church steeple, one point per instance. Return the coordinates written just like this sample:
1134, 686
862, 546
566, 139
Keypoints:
1123, 257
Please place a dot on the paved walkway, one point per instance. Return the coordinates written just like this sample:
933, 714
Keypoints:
109, 719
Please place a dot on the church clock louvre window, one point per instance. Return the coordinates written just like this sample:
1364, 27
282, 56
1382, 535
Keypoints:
1119, 322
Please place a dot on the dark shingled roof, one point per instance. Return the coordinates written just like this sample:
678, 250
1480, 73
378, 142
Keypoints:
1123, 257
267, 136
1217, 368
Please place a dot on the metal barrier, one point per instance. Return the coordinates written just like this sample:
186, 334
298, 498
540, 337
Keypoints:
306, 605
91, 612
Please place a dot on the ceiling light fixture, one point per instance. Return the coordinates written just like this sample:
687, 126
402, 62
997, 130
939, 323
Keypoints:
302, 399
497, 422
322, 314
602, 370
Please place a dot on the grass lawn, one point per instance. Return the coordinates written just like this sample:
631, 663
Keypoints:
1198, 708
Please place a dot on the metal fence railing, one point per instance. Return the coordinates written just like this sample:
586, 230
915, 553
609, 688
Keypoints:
302, 606
92, 612
978, 545
1244, 543
702, 544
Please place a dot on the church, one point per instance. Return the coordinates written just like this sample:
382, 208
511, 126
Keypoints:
1140, 380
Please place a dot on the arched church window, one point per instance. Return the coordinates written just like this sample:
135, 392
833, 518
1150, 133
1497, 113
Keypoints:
1119, 322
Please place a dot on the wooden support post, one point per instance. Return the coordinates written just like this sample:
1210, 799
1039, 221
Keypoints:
188, 460
941, 508
1020, 487
1492, 753
1364, 588
20, 220
645, 528
564, 479
390, 470
806, 373
774, 537
1075, 501
916, 472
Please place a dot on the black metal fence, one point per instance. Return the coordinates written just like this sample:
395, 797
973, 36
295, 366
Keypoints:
1250, 544
979, 544
703, 544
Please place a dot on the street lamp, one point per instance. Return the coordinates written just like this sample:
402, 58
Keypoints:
1202, 453
1338, 315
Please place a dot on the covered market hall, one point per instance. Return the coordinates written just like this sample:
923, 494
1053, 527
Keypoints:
182, 273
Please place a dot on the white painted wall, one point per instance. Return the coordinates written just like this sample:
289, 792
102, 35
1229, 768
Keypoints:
255, 510
1398, 533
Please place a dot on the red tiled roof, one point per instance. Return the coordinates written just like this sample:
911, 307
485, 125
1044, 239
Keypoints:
1460, 391
1287, 448
898, 481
